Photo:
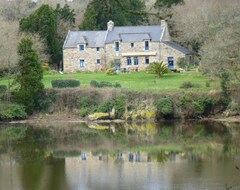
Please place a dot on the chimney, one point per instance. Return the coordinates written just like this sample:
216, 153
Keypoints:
110, 25
163, 23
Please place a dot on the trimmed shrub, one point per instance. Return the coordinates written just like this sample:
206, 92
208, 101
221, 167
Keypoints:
188, 84
117, 85
165, 107
65, 83
12, 111
94, 84
3, 88
104, 84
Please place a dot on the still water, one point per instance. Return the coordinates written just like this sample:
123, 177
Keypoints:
170, 155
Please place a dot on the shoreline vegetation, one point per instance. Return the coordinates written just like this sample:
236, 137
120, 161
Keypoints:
86, 102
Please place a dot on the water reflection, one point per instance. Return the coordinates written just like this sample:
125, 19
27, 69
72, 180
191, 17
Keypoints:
167, 155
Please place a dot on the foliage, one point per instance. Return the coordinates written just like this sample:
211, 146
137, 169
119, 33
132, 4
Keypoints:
165, 107
13, 133
98, 13
189, 84
158, 68
3, 88
44, 21
29, 77
84, 112
12, 111
119, 105
111, 71
181, 63
69, 83
103, 84
203, 106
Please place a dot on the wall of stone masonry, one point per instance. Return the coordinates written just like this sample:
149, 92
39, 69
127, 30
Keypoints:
72, 57
138, 49
167, 51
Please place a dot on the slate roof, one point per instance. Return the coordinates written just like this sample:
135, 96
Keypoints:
134, 33
178, 47
90, 38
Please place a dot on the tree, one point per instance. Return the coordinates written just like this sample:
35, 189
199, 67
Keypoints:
99, 12
158, 68
29, 77
45, 21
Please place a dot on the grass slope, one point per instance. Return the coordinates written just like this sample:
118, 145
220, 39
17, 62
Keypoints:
139, 81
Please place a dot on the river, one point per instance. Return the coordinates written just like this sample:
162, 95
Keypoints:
174, 155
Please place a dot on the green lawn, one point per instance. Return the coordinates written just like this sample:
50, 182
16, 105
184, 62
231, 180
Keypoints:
139, 81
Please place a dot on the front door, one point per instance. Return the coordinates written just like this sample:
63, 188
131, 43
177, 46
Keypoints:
170, 63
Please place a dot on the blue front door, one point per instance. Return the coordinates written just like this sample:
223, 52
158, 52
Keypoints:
170, 63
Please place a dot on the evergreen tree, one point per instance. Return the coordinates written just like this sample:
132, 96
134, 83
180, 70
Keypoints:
99, 12
44, 21
30, 75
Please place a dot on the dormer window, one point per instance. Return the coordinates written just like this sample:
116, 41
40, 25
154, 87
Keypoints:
146, 45
81, 47
117, 46
98, 49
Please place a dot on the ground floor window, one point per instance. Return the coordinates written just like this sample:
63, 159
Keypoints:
82, 63
147, 60
170, 63
136, 61
129, 61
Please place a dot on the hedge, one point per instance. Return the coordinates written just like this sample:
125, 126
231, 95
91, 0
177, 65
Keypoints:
102, 84
12, 111
65, 83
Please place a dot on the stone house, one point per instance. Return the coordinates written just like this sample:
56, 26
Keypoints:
130, 47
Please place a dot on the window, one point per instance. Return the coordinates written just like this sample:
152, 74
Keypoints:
146, 45
98, 61
129, 61
82, 64
147, 60
117, 46
135, 60
170, 62
132, 45
98, 49
81, 47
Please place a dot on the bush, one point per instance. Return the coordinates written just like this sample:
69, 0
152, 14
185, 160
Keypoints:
94, 84
117, 85
203, 106
84, 112
104, 84
12, 111
165, 107
111, 71
3, 88
157, 68
119, 104
105, 107
65, 83
188, 84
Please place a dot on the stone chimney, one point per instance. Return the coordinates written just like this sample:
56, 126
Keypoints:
166, 36
110, 25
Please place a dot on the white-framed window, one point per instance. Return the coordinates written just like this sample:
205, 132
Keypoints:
146, 45
82, 63
97, 49
132, 45
81, 47
98, 61
117, 46
146, 59
136, 61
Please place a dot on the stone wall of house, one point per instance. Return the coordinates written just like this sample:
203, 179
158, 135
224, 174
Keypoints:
127, 51
72, 57
167, 51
